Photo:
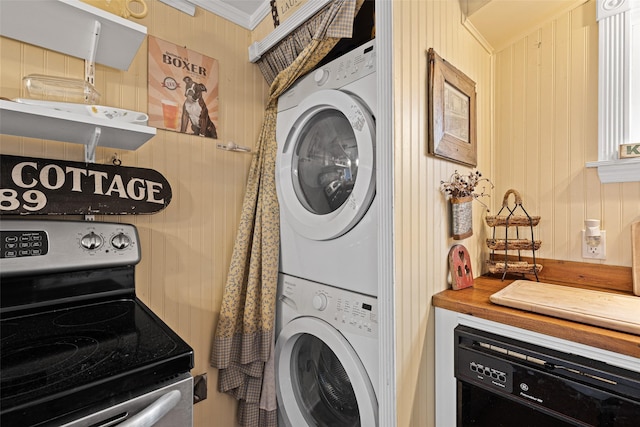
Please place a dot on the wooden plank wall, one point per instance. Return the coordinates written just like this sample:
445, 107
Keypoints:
422, 239
546, 130
187, 247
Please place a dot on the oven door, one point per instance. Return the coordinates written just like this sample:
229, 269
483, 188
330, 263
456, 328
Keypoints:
170, 405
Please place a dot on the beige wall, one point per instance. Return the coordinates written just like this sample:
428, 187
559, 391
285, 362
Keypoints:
544, 133
421, 230
543, 130
546, 130
185, 248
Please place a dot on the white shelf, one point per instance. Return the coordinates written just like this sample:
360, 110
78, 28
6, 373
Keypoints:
44, 123
67, 26
306, 11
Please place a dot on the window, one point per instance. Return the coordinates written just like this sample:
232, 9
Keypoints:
619, 89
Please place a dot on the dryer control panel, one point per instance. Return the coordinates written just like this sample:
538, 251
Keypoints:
340, 72
345, 310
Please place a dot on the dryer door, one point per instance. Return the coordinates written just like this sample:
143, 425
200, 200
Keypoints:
320, 379
326, 170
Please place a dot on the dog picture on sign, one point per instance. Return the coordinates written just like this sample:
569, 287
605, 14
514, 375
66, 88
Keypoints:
183, 90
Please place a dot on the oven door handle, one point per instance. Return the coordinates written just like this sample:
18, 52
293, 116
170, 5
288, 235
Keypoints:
153, 413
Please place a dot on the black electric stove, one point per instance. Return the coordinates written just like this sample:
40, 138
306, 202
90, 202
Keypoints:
74, 337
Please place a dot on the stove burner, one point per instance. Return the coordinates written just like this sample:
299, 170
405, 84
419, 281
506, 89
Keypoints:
88, 316
53, 360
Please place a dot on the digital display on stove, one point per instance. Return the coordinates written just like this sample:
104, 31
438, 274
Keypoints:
18, 244
366, 306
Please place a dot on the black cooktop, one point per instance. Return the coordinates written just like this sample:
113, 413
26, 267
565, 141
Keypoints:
61, 360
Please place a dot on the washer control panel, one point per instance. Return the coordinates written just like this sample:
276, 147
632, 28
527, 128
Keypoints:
45, 246
345, 310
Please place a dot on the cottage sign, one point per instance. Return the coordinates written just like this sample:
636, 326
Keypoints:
57, 187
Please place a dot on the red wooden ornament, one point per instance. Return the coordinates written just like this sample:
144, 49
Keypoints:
460, 267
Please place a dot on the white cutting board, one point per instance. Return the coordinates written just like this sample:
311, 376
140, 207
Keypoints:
605, 309
635, 256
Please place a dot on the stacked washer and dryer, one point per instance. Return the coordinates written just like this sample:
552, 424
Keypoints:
326, 318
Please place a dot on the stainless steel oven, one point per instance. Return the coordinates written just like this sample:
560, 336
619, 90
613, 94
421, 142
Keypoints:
506, 382
77, 347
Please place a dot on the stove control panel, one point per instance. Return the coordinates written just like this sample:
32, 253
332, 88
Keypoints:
44, 246
14, 244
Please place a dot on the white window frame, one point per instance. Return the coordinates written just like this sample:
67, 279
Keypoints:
618, 88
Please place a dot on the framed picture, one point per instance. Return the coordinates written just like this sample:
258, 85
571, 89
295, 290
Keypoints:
452, 112
183, 89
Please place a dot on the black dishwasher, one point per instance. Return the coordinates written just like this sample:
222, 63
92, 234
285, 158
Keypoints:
506, 382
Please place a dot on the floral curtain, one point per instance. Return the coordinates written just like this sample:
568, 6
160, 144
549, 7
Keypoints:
243, 345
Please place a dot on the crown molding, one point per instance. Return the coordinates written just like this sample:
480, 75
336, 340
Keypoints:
230, 13
182, 5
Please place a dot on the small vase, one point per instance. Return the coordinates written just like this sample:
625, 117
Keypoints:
461, 217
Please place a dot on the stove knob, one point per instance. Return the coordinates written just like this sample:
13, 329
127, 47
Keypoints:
319, 302
91, 241
120, 241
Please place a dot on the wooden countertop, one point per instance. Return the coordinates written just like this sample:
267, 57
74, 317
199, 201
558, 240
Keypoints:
475, 301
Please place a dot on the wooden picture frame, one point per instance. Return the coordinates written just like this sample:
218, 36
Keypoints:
452, 112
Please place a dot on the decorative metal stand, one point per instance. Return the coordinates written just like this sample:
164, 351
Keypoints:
511, 218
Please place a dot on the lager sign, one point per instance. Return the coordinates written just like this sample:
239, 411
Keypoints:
57, 187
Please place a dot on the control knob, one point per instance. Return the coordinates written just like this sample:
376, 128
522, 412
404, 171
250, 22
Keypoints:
120, 241
319, 302
91, 241
321, 76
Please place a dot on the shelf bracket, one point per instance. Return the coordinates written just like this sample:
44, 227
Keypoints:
90, 61
90, 156
90, 148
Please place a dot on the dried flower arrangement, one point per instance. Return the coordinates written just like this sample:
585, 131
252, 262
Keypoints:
460, 186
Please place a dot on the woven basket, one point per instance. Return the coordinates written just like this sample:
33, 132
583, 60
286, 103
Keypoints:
513, 267
514, 221
513, 244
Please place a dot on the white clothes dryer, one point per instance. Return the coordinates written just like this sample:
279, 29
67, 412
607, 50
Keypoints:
326, 176
326, 357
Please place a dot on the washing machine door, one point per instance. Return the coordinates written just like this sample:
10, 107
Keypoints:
320, 379
326, 167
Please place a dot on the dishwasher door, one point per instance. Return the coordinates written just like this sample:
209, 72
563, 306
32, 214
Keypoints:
505, 382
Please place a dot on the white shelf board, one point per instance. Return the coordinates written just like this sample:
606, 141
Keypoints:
45, 123
67, 26
306, 11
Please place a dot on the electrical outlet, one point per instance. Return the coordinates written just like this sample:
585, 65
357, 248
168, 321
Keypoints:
595, 252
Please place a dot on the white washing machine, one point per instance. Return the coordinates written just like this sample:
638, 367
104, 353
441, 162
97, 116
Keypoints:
326, 359
326, 176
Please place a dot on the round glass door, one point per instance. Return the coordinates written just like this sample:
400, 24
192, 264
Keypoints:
323, 388
326, 160
326, 171
320, 379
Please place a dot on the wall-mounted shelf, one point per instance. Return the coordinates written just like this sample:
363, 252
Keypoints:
67, 26
306, 11
77, 29
44, 123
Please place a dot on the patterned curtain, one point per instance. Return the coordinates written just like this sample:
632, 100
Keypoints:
243, 345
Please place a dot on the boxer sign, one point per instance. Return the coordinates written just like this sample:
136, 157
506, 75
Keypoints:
57, 187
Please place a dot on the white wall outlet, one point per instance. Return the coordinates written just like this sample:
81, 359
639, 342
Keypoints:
594, 251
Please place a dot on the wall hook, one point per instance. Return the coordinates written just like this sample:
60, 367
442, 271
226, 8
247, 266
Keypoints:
232, 146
